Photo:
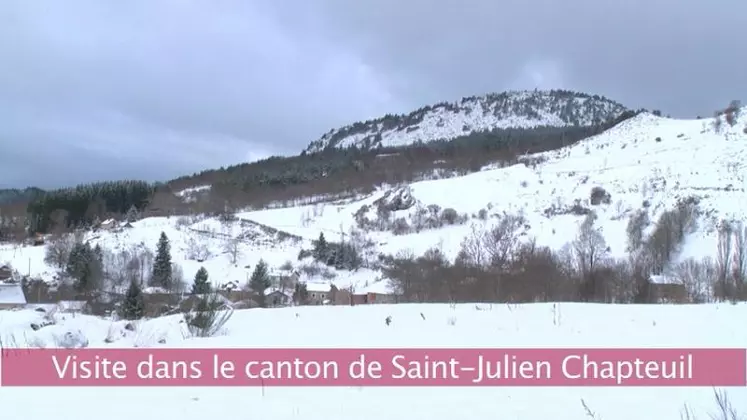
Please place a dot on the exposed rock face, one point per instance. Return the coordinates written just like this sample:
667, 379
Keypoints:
397, 199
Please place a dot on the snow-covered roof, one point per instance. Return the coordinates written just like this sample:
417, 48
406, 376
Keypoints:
12, 294
663, 279
380, 287
318, 287
71, 305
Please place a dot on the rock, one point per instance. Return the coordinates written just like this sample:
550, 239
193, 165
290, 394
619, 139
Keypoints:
397, 199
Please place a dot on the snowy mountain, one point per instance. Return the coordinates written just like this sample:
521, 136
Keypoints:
517, 109
645, 166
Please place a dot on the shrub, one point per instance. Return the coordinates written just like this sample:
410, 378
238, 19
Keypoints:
400, 226
449, 216
209, 316
599, 196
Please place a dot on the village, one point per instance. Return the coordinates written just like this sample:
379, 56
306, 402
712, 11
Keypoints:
18, 291
283, 293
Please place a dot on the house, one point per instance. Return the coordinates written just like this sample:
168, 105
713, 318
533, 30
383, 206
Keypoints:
318, 293
284, 278
340, 296
666, 289
37, 240
378, 297
11, 296
108, 224
278, 297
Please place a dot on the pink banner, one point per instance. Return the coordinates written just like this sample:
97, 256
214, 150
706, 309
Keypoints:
374, 367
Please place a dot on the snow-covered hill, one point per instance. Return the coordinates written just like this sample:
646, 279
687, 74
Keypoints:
518, 109
646, 164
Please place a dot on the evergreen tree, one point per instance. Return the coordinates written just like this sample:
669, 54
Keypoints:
85, 267
132, 214
201, 285
260, 281
321, 249
162, 273
133, 306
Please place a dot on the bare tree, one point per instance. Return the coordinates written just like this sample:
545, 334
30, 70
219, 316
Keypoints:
739, 260
232, 246
589, 247
58, 250
502, 241
115, 268
723, 261
698, 278
197, 249
473, 252
140, 263
634, 230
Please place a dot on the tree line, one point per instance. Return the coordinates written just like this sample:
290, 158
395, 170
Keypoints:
495, 265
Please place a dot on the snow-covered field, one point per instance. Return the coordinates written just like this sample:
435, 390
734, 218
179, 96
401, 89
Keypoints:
460, 326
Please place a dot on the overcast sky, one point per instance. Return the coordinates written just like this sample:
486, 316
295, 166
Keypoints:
154, 89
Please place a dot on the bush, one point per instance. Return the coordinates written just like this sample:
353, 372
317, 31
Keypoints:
209, 316
599, 196
400, 226
449, 216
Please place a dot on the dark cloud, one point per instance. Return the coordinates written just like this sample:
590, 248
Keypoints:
154, 89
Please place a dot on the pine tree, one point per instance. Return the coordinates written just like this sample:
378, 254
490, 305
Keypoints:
132, 214
162, 275
321, 248
85, 267
201, 285
133, 306
260, 281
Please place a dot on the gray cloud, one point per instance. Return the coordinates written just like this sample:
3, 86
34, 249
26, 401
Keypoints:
154, 89
684, 58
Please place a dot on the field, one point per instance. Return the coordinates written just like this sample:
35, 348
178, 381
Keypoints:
436, 325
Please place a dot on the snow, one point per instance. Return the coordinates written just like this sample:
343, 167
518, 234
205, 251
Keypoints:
646, 159
11, 294
458, 326
448, 121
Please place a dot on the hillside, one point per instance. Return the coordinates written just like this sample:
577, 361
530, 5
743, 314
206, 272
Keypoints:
670, 185
448, 120
511, 254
